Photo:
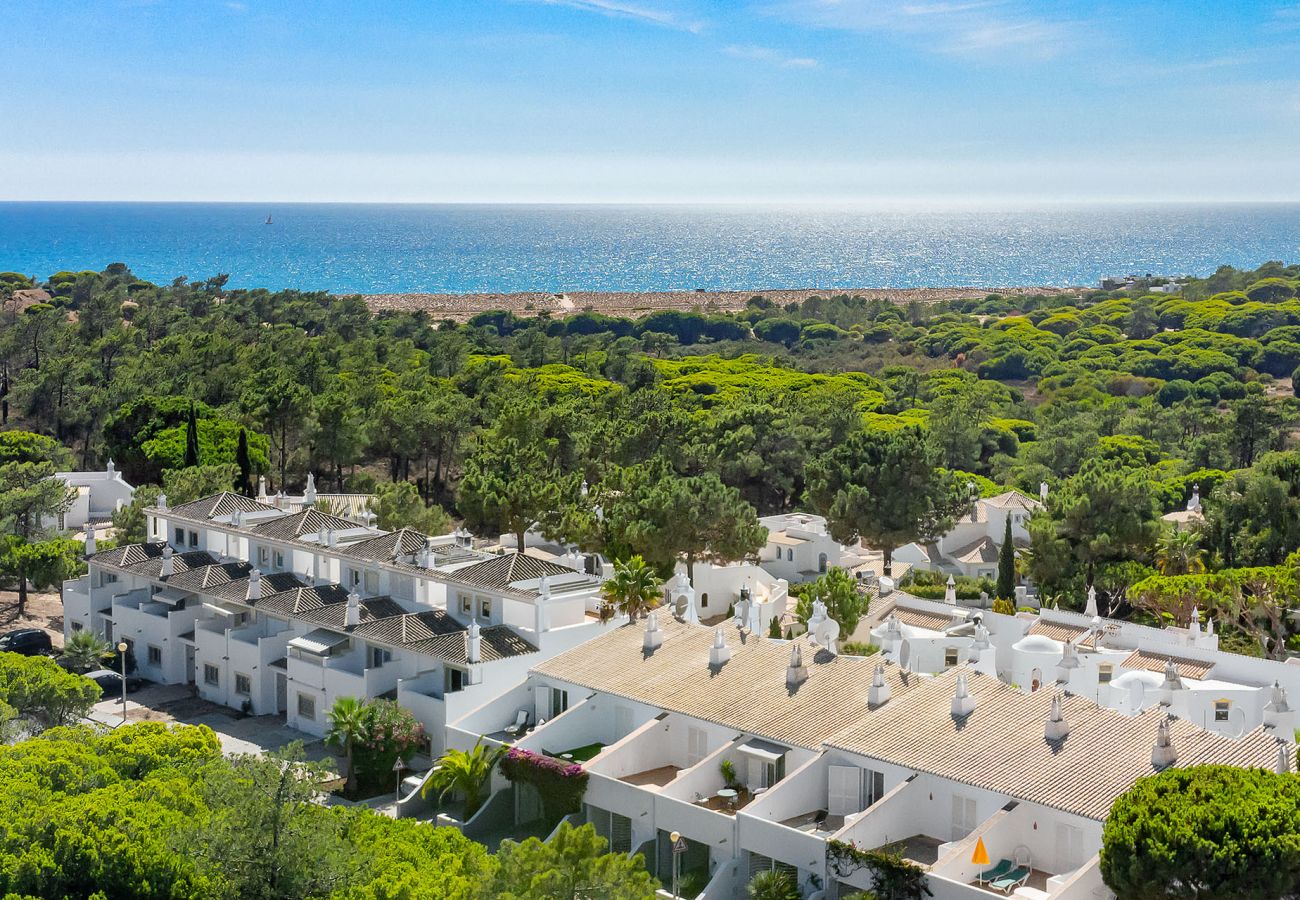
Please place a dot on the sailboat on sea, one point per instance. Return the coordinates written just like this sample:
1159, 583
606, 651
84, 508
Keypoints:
268, 219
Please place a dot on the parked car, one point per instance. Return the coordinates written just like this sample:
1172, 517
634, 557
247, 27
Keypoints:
27, 641
110, 682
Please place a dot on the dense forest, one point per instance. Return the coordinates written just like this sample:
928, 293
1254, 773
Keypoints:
667, 434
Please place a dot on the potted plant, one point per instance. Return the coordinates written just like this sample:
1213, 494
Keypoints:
728, 769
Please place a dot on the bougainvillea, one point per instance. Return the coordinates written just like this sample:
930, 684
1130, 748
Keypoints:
392, 733
559, 784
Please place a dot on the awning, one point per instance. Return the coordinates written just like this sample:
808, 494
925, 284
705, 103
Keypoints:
319, 642
171, 596
762, 750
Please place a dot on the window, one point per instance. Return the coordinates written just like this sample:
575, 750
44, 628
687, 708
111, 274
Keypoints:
354, 577
773, 772
279, 560
211, 674
108, 578
180, 537
454, 681
559, 701
466, 605
77, 626
789, 555
155, 655
194, 538
697, 745
379, 656
821, 563
307, 707
261, 556
1104, 673
950, 656
1221, 708
243, 684
485, 608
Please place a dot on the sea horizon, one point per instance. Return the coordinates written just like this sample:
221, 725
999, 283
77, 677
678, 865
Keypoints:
468, 248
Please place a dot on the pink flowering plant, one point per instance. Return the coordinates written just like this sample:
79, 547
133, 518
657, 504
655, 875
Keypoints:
389, 733
560, 784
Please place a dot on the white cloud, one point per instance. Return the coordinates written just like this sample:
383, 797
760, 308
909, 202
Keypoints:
972, 29
618, 9
769, 55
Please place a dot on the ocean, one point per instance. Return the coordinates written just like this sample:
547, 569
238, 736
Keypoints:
374, 248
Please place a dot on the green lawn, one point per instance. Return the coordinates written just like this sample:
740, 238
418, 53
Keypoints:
579, 754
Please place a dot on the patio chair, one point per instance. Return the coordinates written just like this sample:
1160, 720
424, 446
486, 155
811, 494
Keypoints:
1010, 881
999, 871
520, 723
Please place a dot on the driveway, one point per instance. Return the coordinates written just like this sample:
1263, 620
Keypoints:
179, 703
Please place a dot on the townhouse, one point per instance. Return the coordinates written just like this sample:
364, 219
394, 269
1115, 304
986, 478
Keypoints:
766, 754
281, 613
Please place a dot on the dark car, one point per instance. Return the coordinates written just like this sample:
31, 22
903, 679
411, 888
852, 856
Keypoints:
110, 682
27, 641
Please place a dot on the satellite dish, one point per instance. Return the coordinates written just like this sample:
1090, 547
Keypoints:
827, 633
905, 653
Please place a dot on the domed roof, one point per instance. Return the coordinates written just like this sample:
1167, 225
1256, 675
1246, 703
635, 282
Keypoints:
1138, 676
1038, 643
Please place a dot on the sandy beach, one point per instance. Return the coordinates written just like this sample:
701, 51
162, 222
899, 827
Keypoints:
632, 304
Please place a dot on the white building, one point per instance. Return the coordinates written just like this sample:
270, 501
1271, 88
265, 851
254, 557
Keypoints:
94, 496
799, 548
283, 613
760, 753
971, 547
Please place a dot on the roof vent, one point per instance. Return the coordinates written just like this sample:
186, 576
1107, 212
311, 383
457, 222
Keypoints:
719, 653
796, 673
168, 564
473, 642
352, 615
950, 592
963, 704
1163, 753
161, 502
1283, 758
1171, 683
309, 494
654, 638
1057, 728
879, 693
254, 585
261, 488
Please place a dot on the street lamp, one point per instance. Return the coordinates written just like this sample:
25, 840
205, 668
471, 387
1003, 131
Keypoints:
679, 847
398, 768
121, 655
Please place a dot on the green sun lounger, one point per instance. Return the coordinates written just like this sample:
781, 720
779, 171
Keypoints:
1010, 881
999, 871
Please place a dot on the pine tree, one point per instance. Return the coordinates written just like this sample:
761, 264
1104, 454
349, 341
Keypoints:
1007, 565
192, 440
245, 483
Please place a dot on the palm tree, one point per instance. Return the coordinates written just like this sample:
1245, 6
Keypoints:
85, 651
772, 885
1179, 552
349, 724
634, 587
464, 773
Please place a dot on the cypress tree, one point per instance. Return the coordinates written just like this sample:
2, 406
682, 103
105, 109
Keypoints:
192, 440
1007, 565
245, 465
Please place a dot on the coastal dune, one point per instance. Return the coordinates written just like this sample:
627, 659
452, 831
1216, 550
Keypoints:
639, 303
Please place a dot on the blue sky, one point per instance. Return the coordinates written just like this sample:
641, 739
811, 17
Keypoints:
926, 101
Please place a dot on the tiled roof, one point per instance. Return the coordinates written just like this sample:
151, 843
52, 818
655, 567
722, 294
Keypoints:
332, 615
222, 504
503, 571
748, 693
1057, 631
498, 642
982, 550
1001, 746
1012, 500
145, 560
297, 601
1156, 662
920, 619
386, 547
411, 627
295, 525
210, 579
129, 554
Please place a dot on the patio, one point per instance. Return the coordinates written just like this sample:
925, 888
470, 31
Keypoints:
656, 777
815, 821
919, 848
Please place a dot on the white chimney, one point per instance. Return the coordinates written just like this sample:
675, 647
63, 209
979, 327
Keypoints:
237, 518
1194, 625
473, 642
796, 673
1194, 503
879, 693
719, 653
1279, 717
261, 488
254, 592
1283, 758
110, 469
950, 592
309, 494
423, 559
90, 541
1069, 657
161, 503
329, 536
1090, 609
1057, 728
168, 564
893, 628
1163, 753
963, 704
1042, 491
1209, 626
1171, 683
352, 615
654, 638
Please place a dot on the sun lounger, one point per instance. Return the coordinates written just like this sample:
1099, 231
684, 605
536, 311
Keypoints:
521, 721
999, 871
1010, 881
